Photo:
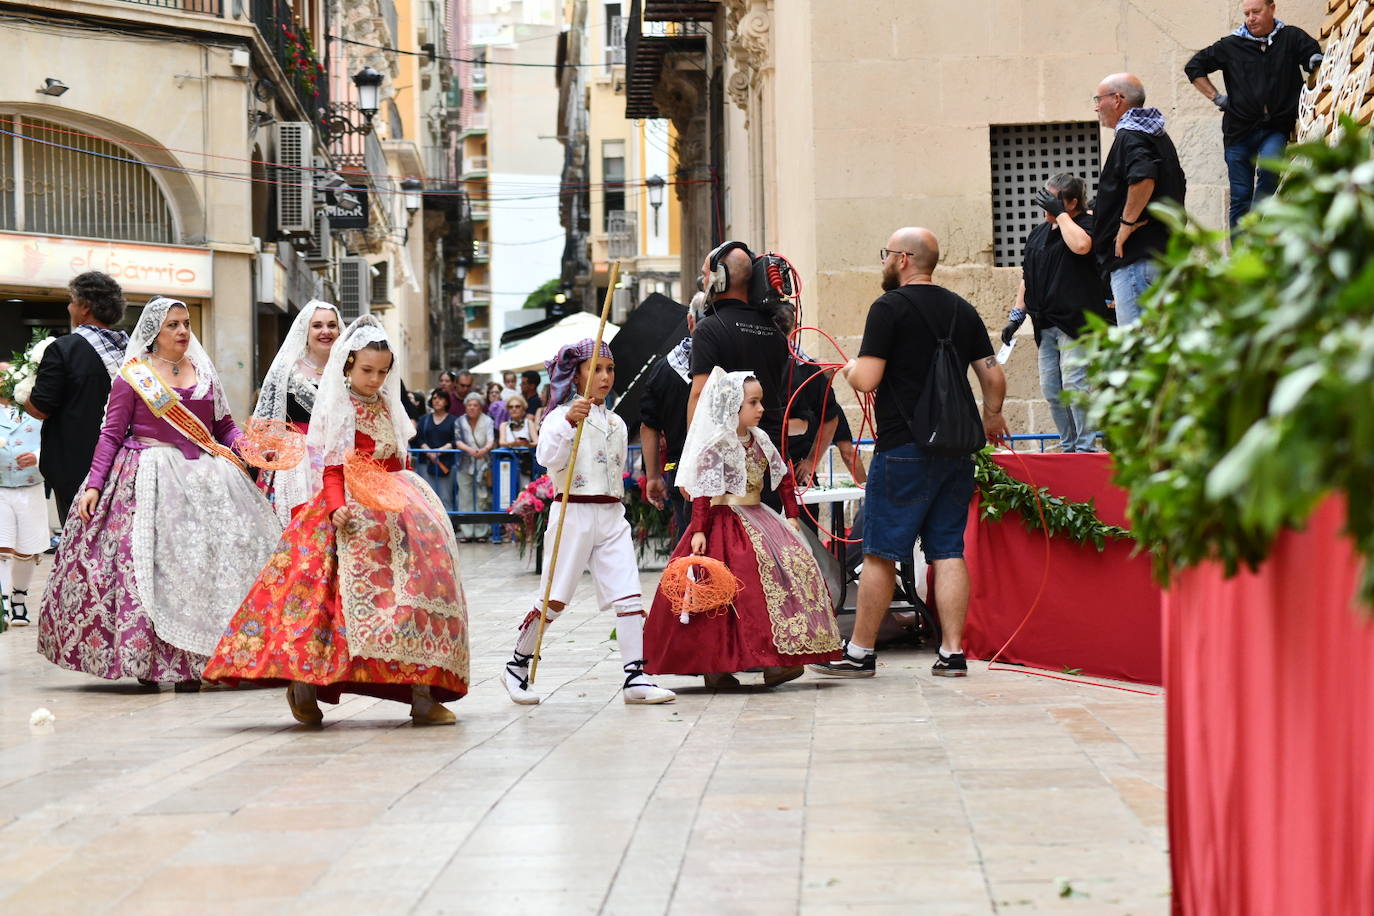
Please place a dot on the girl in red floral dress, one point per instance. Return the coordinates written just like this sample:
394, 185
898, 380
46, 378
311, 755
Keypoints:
358, 599
782, 617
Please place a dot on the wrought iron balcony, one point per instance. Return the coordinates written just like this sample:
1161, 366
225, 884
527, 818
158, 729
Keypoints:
294, 50
208, 7
647, 43
679, 10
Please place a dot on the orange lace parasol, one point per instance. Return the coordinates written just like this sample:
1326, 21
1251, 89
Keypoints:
699, 585
373, 485
272, 445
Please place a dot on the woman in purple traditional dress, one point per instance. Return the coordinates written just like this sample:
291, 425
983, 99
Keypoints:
168, 533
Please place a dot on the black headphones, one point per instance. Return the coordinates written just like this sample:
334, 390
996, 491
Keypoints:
720, 274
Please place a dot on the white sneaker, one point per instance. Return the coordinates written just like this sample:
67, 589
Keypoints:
516, 678
647, 695
639, 692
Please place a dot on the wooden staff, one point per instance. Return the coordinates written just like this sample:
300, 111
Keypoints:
572, 460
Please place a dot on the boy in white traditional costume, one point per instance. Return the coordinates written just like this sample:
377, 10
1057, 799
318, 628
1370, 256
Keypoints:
23, 509
596, 535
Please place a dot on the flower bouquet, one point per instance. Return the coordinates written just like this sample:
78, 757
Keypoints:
651, 526
16, 382
531, 509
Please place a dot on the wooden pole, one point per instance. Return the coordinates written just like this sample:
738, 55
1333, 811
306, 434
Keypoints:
568, 478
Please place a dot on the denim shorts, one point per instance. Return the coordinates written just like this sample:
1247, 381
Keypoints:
911, 493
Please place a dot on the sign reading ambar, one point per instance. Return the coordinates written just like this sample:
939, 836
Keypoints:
39, 260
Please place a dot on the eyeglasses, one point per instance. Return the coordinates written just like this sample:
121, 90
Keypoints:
884, 252
1098, 98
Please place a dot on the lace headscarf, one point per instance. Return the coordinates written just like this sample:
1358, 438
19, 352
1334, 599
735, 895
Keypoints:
713, 460
563, 367
334, 422
282, 379
145, 333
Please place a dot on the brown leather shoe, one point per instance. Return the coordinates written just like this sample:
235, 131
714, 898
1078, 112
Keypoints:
721, 680
304, 707
436, 714
775, 675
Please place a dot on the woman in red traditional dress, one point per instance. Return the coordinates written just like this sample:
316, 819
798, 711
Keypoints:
358, 599
781, 618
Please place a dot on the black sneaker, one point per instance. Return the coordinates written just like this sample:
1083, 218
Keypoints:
845, 666
950, 666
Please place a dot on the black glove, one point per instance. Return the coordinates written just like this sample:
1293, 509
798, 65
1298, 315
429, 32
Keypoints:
1010, 331
1049, 201
1221, 101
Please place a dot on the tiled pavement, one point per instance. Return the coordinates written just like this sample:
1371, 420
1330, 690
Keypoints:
904, 794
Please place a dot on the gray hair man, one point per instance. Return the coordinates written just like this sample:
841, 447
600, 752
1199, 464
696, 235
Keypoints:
1142, 168
1262, 62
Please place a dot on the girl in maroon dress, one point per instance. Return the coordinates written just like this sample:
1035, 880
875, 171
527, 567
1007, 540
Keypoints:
781, 618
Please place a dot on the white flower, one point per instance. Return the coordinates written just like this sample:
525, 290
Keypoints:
35, 355
41, 717
23, 389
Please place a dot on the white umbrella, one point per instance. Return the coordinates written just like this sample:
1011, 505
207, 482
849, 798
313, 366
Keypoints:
531, 353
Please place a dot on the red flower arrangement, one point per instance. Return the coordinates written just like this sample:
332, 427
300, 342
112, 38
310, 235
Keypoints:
650, 525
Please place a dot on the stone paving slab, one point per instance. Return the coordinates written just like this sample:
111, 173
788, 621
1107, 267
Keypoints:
904, 794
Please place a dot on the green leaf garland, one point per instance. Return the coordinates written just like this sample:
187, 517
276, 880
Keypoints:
1001, 494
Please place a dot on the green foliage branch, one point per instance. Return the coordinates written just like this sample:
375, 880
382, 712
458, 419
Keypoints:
1244, 397
1000, 494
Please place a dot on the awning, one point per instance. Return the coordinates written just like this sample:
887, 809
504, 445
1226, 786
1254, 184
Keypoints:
531, 354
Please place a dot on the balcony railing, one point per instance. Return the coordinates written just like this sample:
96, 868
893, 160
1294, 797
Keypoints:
481, 210
293, 49
475, 165
622, 234
481, 251
208, 7
479, 79
476, 120
615, 43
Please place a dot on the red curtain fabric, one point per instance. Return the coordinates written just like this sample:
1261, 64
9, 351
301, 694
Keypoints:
1270, 705
1100, 612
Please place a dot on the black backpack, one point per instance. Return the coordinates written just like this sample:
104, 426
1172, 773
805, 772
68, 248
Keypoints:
944, 420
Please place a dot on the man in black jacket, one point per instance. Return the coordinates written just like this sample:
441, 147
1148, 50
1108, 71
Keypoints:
73, 384
1262, 63
1142, 168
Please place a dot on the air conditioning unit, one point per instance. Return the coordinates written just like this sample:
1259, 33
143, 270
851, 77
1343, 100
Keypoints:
354, 288
295, 186
319, 250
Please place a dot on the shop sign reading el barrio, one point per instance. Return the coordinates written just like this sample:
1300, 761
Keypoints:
48, 261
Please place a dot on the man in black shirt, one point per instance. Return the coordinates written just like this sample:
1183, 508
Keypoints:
1262, 62
739, 338
912, 492
663, 411
1059, 287
529, 390
1142, 168
73, 384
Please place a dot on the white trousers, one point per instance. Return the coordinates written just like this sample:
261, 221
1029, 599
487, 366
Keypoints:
23, 520
596, 539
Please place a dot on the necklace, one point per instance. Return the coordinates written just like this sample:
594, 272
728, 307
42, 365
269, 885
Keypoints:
366, 399
176, 365
317, 369
746, 438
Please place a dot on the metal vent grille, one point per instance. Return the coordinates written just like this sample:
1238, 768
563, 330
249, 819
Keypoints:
295, 190
1024, 157
353, 288
381, 283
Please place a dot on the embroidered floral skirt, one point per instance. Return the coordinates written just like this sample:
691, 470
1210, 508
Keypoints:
145, 588
371, 610
781, 616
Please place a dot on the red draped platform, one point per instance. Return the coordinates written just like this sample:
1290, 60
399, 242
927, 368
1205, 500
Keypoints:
1271, 733
1100, 612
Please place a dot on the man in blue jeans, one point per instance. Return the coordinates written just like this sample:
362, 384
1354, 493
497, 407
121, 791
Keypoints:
1262, 62
1059, 287
1141, 168
912, 493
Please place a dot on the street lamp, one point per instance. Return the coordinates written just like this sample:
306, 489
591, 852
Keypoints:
413, 189
654, 185
369, 83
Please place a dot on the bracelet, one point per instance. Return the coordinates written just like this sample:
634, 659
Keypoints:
1126, 222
